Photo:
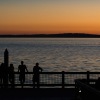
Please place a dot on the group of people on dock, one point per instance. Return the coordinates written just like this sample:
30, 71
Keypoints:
7, 74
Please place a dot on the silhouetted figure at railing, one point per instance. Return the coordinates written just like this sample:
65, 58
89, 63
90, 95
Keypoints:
36, 70
22, 69
1, 74
11, 75
4, 74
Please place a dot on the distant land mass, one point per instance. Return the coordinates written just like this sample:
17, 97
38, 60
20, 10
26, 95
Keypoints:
61, 35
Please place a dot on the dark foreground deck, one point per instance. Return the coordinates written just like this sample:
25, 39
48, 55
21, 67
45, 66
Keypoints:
37, 94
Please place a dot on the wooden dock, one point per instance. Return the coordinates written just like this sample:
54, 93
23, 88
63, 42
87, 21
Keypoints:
37, 94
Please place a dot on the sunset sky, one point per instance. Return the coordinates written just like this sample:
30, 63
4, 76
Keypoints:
49, 16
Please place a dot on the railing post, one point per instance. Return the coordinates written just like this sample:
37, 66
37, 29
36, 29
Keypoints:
13, 83
88, 77
63, 79
6, 58
38, 84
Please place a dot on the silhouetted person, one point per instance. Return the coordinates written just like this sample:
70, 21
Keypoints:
22, 68
11, 75
36, 70
5, 75
1, 74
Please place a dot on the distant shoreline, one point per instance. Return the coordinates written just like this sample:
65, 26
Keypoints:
64, 35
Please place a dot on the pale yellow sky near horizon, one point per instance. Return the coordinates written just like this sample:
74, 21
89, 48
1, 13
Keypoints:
49, 16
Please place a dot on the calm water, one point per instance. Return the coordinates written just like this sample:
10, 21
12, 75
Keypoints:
54, 54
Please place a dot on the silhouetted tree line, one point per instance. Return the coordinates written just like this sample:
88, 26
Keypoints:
63, 35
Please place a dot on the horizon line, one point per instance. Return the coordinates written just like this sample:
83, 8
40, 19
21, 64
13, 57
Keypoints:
63, 35
50, 33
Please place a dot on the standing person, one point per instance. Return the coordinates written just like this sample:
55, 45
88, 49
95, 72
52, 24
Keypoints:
21, 69
11, 75
5, 75
1, 74
36, 70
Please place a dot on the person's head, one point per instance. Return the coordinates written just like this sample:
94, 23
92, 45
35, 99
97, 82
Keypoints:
37, 64
22, 62
11, 65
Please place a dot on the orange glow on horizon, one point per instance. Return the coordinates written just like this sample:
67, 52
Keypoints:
50, 17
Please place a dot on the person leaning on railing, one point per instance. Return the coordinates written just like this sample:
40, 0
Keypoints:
36, 70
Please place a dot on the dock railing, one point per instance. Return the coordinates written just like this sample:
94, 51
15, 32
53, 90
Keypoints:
55, 79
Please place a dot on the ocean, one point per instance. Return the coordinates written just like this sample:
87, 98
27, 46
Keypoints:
53, 54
